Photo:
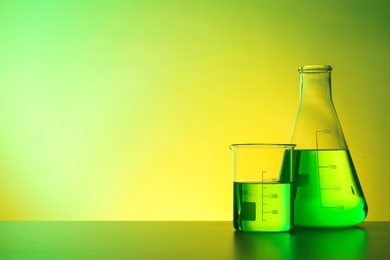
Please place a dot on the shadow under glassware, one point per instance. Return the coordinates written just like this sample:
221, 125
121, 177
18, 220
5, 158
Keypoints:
333, 243
302, 243
263, 245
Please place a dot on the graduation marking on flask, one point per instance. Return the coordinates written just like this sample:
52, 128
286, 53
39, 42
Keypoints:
325, 169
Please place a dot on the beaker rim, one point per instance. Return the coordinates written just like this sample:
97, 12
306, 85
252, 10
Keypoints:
315, 68
262, 145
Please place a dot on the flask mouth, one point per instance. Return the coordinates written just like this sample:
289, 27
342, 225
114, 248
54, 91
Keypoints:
262, 145
314, 68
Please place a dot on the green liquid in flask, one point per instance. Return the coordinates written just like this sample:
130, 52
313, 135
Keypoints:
262, 206
328, 192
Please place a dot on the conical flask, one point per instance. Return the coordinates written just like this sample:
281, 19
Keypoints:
328, 191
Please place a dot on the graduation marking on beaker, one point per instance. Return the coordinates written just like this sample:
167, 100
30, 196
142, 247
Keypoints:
265, 196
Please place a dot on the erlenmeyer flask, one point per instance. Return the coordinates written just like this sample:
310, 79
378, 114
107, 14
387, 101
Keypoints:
328, 192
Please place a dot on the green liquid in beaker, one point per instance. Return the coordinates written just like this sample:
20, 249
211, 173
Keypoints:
328, 192
262, 206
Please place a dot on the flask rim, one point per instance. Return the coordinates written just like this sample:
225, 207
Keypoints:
262, 145
315, 68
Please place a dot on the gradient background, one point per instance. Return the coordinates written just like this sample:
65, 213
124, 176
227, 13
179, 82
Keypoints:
124, 110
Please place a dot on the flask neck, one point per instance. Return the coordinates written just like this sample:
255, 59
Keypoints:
316, 125
315, 86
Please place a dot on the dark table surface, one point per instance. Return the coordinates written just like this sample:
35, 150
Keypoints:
186, 240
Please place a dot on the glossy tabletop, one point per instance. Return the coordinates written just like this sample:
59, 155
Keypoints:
186, 240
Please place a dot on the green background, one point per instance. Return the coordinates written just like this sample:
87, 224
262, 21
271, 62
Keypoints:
124, 110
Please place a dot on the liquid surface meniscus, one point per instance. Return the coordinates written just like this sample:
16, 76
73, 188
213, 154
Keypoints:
262, 206
328, 192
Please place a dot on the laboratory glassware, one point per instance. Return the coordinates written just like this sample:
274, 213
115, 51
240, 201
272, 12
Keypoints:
262, 187
328, 191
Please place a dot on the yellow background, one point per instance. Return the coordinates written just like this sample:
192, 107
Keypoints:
124, 110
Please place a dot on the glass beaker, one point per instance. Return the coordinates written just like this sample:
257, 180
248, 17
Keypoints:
328, 191
262, 187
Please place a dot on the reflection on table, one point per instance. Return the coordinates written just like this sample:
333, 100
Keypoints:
186, 240
345, 243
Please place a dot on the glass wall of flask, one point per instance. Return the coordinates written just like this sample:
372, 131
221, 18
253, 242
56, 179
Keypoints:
327, 189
